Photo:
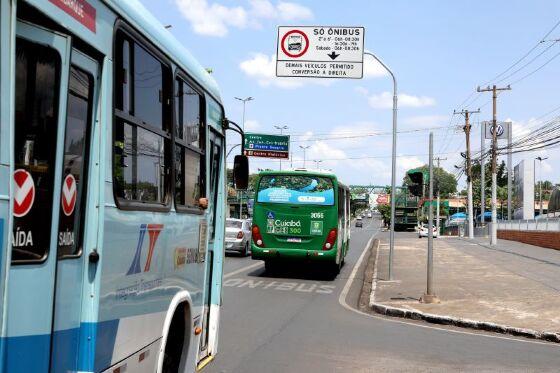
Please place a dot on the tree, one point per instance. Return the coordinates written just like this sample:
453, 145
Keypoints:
444, 180
385, 211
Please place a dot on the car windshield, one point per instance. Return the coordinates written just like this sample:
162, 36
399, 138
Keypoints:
233, 224
296, 189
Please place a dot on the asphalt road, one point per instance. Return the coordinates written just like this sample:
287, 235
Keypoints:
297, 321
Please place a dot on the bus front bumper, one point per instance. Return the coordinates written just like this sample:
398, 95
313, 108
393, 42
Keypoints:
265, 253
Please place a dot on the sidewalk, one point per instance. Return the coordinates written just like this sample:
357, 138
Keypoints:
512, 285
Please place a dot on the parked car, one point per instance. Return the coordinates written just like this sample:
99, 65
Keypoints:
238, 236
359, 222
423, 231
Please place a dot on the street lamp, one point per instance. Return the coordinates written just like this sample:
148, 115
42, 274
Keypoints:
244, 100
540, 159
304, 149
317, 161
393, 164
282, 128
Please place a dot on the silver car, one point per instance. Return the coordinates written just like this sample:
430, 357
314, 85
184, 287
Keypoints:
238, 236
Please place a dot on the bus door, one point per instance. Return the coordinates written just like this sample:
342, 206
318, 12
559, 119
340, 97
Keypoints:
215, 151
41, 65
73, 216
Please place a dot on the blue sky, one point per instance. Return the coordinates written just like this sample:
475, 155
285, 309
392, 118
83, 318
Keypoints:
440, 51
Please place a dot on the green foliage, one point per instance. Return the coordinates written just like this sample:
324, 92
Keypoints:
443, 180
385, 211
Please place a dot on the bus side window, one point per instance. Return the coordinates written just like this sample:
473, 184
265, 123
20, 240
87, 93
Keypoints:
37, 91
76, 153
142, 152
190, 160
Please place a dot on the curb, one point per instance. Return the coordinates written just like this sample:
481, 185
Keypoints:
385, 310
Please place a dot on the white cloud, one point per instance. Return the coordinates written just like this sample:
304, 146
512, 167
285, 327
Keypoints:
252, 125
373, 69
385, 101
287, 11
214, 19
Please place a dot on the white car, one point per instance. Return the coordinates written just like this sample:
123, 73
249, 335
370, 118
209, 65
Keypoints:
238, 236
369, 215
423, 231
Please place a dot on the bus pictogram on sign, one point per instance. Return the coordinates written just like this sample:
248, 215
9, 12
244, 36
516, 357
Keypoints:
24, 192
295, 43
69, 195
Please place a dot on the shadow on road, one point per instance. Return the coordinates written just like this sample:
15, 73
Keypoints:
299, 271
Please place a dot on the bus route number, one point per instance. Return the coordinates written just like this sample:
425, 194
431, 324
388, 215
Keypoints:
317, 215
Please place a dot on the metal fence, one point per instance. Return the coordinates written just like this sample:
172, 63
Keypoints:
544, 224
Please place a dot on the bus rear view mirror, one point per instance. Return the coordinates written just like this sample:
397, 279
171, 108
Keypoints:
241, 172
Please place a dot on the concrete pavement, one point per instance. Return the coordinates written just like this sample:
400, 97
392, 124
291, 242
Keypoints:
509, 286
284, 324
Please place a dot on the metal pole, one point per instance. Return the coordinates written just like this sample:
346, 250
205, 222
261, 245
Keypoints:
430, 296
482, 174
393, 166
509, 172
494, 233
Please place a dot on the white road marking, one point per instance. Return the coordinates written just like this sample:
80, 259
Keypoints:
346, 289
300, 287
244, 269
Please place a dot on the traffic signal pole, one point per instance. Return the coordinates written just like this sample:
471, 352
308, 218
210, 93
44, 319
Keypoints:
430, 296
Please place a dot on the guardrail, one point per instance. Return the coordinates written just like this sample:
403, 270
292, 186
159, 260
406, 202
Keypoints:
544, 224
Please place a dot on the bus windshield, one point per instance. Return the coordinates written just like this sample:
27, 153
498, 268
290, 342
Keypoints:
296, 189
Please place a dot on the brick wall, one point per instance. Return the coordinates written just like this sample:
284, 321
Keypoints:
547, 239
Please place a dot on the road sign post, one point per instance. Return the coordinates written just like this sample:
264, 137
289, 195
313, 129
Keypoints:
334, 52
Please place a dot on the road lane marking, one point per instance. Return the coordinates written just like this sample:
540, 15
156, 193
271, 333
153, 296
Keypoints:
346, 289
244, 269
300, 287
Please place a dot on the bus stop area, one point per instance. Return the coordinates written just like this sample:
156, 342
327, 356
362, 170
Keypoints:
511, 287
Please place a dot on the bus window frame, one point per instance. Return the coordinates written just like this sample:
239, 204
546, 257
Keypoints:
119, 116
86, 167
202, 151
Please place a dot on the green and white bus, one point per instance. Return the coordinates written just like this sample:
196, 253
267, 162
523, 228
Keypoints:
302, 216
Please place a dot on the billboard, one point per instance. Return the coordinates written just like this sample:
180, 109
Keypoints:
524, 190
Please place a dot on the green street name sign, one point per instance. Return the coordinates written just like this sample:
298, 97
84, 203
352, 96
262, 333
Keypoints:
266, 146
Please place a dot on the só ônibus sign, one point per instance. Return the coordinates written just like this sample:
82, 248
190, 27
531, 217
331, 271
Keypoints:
320, 52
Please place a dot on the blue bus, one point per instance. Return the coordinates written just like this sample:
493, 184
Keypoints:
112, 192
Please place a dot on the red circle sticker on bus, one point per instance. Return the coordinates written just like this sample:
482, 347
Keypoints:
24, 192
295, 43
69, 195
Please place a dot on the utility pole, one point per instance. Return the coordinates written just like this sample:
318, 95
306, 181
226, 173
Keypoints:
438, 159
429, 296
494, 90
482, 176
304, 149
281, 128
467, 129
